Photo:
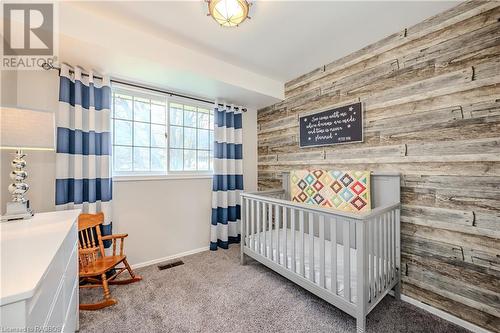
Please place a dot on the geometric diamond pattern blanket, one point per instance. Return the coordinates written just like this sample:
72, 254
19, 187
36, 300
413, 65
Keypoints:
348, 191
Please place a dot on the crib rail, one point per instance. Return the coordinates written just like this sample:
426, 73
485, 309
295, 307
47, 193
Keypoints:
350, 260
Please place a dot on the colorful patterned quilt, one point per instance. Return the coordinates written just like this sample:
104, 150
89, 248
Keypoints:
348, 191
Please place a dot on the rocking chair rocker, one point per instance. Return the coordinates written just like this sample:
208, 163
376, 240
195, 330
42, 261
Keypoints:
94, 263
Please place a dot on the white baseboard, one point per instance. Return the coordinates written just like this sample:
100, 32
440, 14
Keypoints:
442, 314
175, 256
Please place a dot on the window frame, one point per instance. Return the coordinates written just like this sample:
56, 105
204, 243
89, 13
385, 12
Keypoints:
167, 173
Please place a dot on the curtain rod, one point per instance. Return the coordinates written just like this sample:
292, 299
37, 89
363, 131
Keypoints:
48, 66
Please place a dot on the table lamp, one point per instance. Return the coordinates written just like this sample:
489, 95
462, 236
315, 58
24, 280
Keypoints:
22, 130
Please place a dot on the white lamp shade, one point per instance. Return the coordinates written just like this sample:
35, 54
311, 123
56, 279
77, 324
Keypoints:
26, 129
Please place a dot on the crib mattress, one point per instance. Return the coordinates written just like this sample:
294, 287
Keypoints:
328, 271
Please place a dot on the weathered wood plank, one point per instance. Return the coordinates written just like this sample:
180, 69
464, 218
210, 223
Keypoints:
334, 155
483, 243
455, 14
414, 121
470, 129
479, 200
306, 155
270, 114
443, 53
278, 124
480, 110
438, 219
467, 313
433, 214
403, 94
426, 248
430, 168
479, 183
462, 271
465, 97
466, 147
468, 294
422, 159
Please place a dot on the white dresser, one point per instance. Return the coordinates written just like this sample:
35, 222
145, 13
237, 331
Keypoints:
39, 273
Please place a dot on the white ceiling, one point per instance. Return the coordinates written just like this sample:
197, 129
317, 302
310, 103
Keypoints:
283, 39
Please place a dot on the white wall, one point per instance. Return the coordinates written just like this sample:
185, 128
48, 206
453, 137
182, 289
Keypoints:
162, 217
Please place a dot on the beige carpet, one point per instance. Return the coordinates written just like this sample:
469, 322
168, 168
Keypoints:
211, 292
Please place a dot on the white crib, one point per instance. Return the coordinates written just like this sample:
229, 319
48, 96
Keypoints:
350, 260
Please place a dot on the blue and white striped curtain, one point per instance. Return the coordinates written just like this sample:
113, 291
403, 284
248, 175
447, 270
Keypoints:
228, 177
83, 153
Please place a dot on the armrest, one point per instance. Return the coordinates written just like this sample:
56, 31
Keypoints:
114, 238
109, 237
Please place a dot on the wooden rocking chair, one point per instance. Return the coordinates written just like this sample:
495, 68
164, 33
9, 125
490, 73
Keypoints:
94, 263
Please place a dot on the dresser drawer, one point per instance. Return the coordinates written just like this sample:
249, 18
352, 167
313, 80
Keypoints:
39, 305
70, 323
56, 316
70, 276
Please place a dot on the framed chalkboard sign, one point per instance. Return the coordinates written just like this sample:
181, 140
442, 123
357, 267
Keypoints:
337, 125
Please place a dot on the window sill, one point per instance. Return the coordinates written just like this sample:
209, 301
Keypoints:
133, 178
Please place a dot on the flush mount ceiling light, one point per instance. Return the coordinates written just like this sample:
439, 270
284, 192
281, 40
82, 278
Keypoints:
228, 13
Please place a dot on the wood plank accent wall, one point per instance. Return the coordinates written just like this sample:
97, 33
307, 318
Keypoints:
432, 112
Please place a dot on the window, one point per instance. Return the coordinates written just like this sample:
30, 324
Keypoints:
191, 137
154, 135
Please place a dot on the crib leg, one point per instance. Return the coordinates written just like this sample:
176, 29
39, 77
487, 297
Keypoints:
397, 291
361, 324
243, 260
397, 287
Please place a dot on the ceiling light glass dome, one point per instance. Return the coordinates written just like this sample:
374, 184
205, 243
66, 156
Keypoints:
228, 13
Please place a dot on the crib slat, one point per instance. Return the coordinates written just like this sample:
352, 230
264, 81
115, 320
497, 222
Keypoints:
284, 262
375, 256
244, 222
277, 219
382, 227
386, 256
398, 248
393, 273
347, 260
321, 225
265, 208
302, 269
252, 229
270, 225
370, 260
379, 258
259, 217
247, 222
311, 247
333, 257
292, 235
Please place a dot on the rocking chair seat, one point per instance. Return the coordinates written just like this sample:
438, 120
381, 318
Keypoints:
101, 265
